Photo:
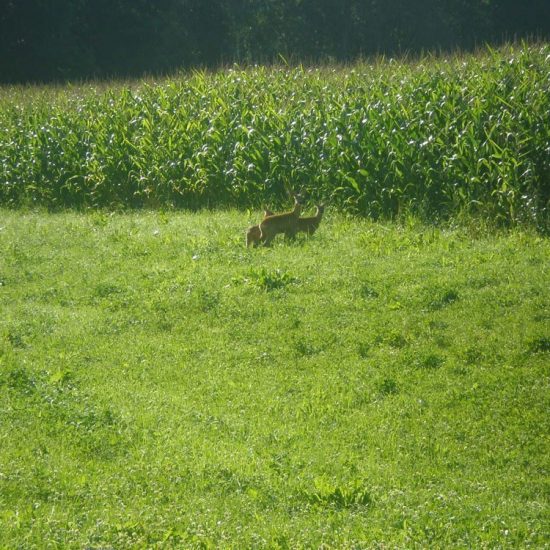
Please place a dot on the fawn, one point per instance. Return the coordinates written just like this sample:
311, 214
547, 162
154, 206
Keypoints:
253, 233
310, 224
286, 223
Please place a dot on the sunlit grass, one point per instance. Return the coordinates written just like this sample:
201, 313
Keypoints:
377, 385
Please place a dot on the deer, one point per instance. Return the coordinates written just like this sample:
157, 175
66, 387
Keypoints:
253, 233
310, 224
286, 223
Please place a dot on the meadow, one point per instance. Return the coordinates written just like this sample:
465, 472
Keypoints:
436, 137
377, 385
381, 384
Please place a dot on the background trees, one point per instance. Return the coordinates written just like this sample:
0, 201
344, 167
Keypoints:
42, 40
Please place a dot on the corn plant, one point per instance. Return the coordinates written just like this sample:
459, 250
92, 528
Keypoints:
437, 137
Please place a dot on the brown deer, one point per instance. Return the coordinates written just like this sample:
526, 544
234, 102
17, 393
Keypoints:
253, 233
286, 223
310, 224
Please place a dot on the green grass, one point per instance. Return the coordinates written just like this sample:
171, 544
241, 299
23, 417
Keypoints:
437, 137
378, 385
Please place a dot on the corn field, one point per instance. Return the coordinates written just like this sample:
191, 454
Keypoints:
435, 137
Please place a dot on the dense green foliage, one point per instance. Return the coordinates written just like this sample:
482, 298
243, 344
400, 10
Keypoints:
437, 137
83, 38
375, 386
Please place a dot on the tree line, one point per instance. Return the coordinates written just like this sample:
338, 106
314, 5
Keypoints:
49, 40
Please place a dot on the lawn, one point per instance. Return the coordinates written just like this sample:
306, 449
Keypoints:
376, 385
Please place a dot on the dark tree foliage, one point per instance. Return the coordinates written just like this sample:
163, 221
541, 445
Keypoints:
44, 40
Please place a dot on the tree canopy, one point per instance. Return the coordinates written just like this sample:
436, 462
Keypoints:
45, 40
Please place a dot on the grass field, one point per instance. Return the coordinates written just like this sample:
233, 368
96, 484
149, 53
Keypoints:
378, 385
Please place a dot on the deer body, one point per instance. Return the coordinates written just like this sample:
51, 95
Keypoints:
253, 233
310, 224
286, 223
